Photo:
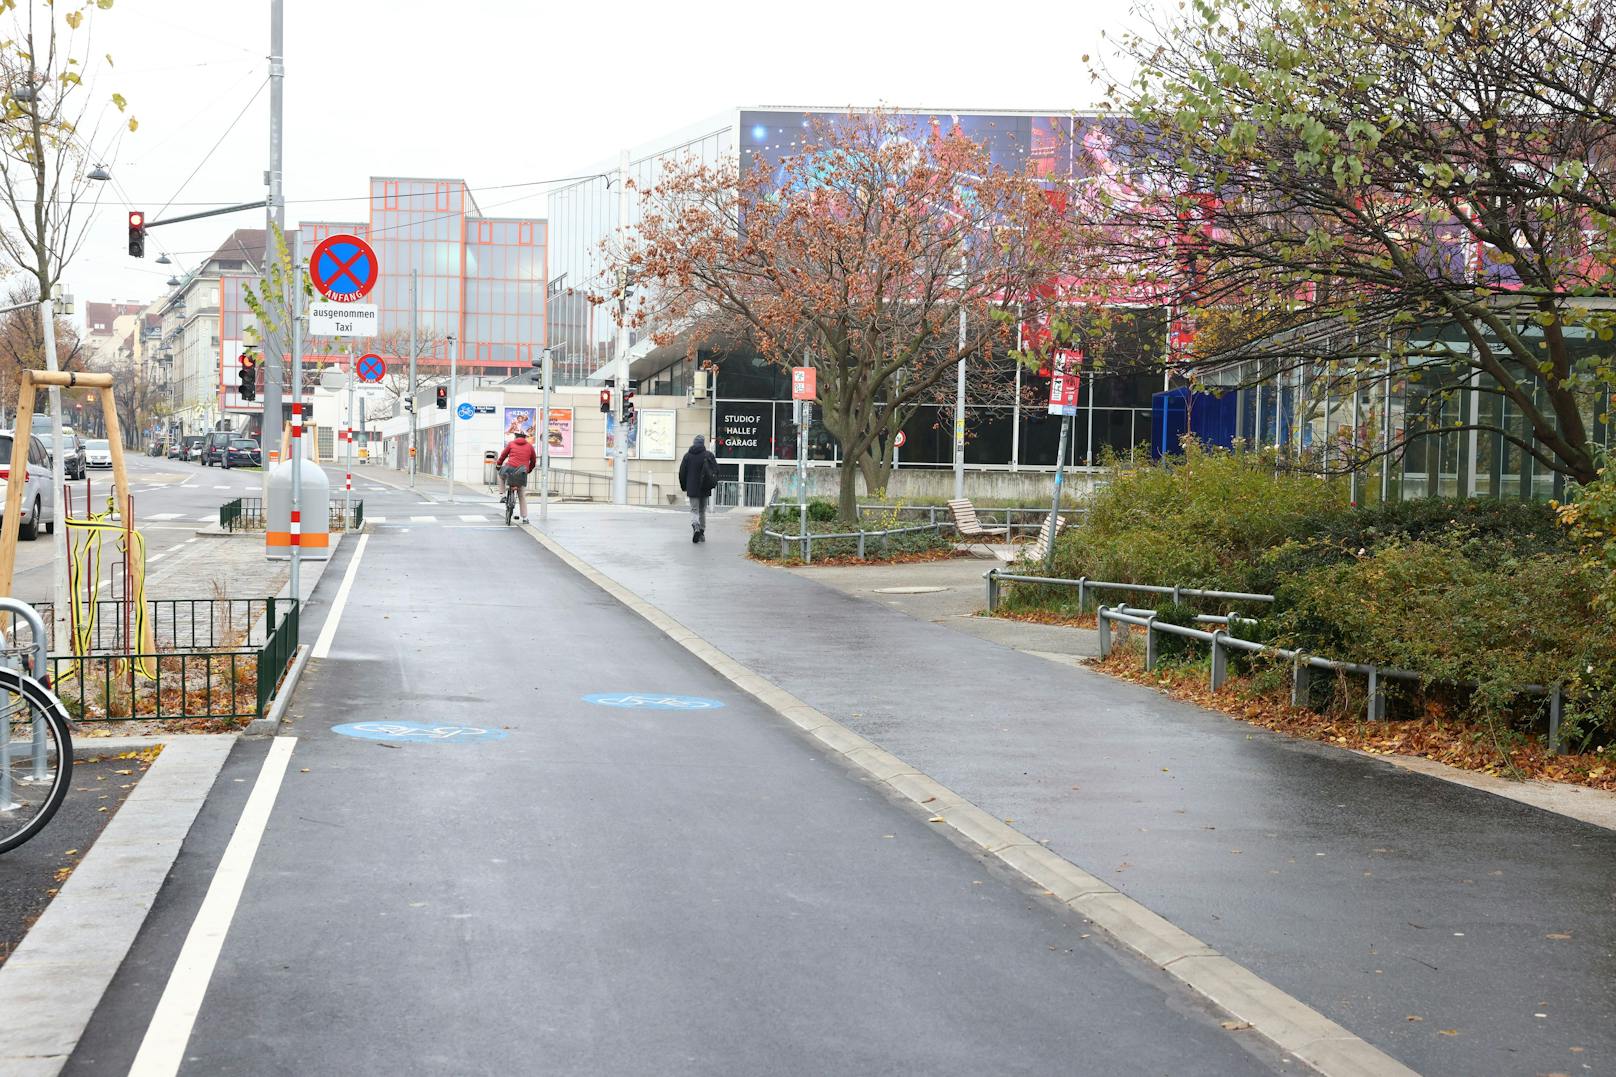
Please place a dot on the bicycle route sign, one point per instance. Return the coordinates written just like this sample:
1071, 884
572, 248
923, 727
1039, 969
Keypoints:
371, 368
652, 701
418, 732
344, 268
466, 411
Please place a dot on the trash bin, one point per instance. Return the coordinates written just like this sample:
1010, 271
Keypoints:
490, 472
314, 527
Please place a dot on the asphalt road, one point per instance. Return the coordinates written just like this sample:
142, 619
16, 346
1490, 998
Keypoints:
605, 889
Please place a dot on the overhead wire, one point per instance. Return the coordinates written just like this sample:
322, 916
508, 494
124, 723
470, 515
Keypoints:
215, 148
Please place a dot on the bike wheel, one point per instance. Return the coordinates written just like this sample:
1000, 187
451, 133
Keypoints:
510, 505
36, 757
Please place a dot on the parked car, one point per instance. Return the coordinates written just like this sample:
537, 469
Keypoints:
243, 452
192, 449
176, 449
98, 453
38, 503
214, 447
72, 445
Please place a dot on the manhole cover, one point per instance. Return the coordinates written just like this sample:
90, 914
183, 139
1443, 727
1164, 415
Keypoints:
908, 590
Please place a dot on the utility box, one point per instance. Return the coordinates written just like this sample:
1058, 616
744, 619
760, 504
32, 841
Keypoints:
314, 523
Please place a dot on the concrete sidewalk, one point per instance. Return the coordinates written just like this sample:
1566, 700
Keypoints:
1460, 932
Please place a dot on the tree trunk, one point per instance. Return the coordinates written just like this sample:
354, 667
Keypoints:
847, 500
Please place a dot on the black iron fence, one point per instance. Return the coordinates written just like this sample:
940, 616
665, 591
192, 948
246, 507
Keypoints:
202, 658
248, 514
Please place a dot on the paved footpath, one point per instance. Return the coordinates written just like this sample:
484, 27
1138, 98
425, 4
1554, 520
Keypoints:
599, 889
1459, 932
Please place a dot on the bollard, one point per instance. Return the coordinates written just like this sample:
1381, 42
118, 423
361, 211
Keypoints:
1150, 642
1554, 721
1104, 627
1220, 660
1301, 681
1377, 699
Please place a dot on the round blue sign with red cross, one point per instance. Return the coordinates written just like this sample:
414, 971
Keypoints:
343, 268
371, 367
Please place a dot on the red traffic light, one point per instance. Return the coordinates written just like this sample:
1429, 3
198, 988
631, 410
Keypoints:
137, 219
137, 234
247, 360
605, 400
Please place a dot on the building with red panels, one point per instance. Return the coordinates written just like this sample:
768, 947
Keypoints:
479, 279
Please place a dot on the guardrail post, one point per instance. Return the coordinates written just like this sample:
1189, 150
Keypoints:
1220, 660
1301, 681
1150, 642
807, 548
1230, 623
861, 544
1082, 593
1104, 627
993, 589
1178, 600
1554, 721
1377, 698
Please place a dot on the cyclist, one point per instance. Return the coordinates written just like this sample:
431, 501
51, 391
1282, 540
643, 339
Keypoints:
516, 461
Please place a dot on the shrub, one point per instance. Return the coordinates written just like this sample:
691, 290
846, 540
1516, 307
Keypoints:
1429, 607
1200, 521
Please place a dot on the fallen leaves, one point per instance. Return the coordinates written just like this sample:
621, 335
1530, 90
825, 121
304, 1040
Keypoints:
1558, 935
1443, 739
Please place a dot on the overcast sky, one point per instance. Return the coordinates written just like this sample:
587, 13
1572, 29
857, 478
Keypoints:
504, 92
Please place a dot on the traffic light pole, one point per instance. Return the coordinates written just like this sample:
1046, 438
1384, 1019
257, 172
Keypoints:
274, 220
411, 387
454, 357
620, 443
543, 430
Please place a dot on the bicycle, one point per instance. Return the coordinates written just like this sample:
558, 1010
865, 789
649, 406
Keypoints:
36, 744
510, 502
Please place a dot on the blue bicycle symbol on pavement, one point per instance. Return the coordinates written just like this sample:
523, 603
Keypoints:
418, 732
652, 701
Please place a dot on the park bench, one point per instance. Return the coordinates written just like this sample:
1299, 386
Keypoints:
1053, 526
970, 527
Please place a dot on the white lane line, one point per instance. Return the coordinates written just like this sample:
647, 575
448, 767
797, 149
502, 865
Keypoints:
177, 515
434, 519
485, 519
163, 1048
226, 488
322, 646
211, 516
383, 519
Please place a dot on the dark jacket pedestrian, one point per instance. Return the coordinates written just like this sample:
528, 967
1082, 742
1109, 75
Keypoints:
698, 478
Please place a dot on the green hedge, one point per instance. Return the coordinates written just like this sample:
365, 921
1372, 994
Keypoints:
1480, 591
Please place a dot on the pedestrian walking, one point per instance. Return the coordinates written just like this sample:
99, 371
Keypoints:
516, 461
698, 478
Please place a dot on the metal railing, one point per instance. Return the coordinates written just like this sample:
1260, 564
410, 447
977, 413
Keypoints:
211, 658
1010, 520
749, 495
1085, 588
247, 514
581, 485
1222, 640
806, 541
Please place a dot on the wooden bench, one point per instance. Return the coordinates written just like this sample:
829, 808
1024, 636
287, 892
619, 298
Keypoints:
1047, 534
969, 526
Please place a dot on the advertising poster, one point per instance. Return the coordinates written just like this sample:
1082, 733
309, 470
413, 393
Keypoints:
657, 435
560, 431
521, 420
611, 438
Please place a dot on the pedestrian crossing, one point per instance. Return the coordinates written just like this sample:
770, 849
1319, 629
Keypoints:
463, 518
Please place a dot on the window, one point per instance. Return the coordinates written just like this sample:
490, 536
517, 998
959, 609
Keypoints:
445, 197
524, 234
389, 194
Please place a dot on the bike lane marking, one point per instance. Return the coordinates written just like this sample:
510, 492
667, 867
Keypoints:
418, 732
653, 701
328, 631
162, 1050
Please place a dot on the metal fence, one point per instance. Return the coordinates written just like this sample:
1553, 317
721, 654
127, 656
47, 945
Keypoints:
805, 542
210, 658
1223, 639
747, 495
1010, 520
247, 514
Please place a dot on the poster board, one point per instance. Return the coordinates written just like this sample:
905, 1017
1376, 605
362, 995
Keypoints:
658, 435
559, 428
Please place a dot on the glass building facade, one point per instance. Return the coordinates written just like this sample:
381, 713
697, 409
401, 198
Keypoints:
752, 397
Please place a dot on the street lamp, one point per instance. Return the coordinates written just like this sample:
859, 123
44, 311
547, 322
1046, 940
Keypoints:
164, 260
99, 173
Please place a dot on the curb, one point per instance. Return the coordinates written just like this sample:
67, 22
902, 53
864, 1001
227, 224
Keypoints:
1286, 1022
270, 723
53, 982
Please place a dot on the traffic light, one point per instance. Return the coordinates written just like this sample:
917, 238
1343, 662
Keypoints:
137, 234
628, 407
443, 397
605, 401
248, 376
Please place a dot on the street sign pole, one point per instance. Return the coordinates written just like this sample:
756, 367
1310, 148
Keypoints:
347, 486
544, 447
803, 415
454, 418
1060, 464
411, 387
297, 416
